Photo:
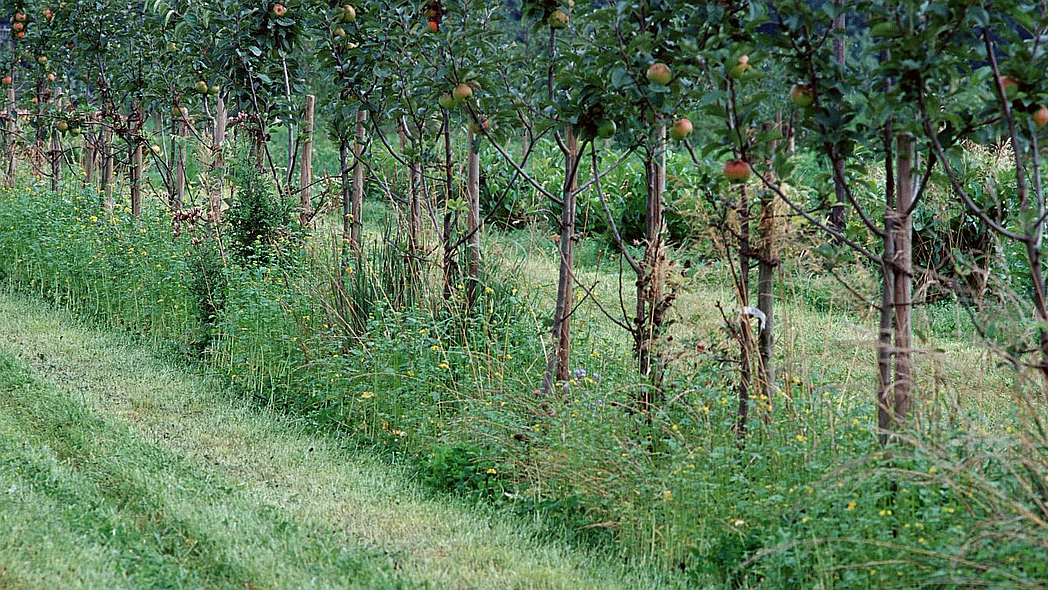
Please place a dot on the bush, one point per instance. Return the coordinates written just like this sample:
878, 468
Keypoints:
257, 217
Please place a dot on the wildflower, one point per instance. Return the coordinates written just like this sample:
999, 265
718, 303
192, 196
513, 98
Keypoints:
491, 471
444, 366
667, 495
488, 291
801, 438
851, 505
885, 513
367, 395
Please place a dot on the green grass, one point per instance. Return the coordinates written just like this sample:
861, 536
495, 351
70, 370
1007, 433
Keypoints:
121, 471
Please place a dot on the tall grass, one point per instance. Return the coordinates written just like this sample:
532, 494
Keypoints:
376, 353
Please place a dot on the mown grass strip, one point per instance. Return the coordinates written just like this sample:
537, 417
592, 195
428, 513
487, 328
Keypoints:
202, 489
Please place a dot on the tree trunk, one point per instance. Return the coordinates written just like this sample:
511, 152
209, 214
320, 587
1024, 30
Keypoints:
414, 207
887, 312
107, 169
218, 145
56, 161
135, 174
90, 157
839, 176
449, 219
745, 345
136, 179
559, 362
358, 183
473, 220
221, 122
178, 164
347, 195
651, 287
305, 202
12, 129
903, 279
767, 268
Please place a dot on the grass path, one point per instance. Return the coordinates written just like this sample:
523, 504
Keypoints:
120, 471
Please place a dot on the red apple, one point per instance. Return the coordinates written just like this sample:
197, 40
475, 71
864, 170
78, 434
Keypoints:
802, 96
1010, 85
433, 25
279, 10
681, 129
7, 80
736, 171
659, 73
1040, 116
20, 17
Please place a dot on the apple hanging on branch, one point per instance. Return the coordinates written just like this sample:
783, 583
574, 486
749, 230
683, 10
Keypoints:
659, 73
1040, 117
558, 19
1010, 86
462, 92
802, 96
681, 129
434, 13
743, 68
736, 171
279, 10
